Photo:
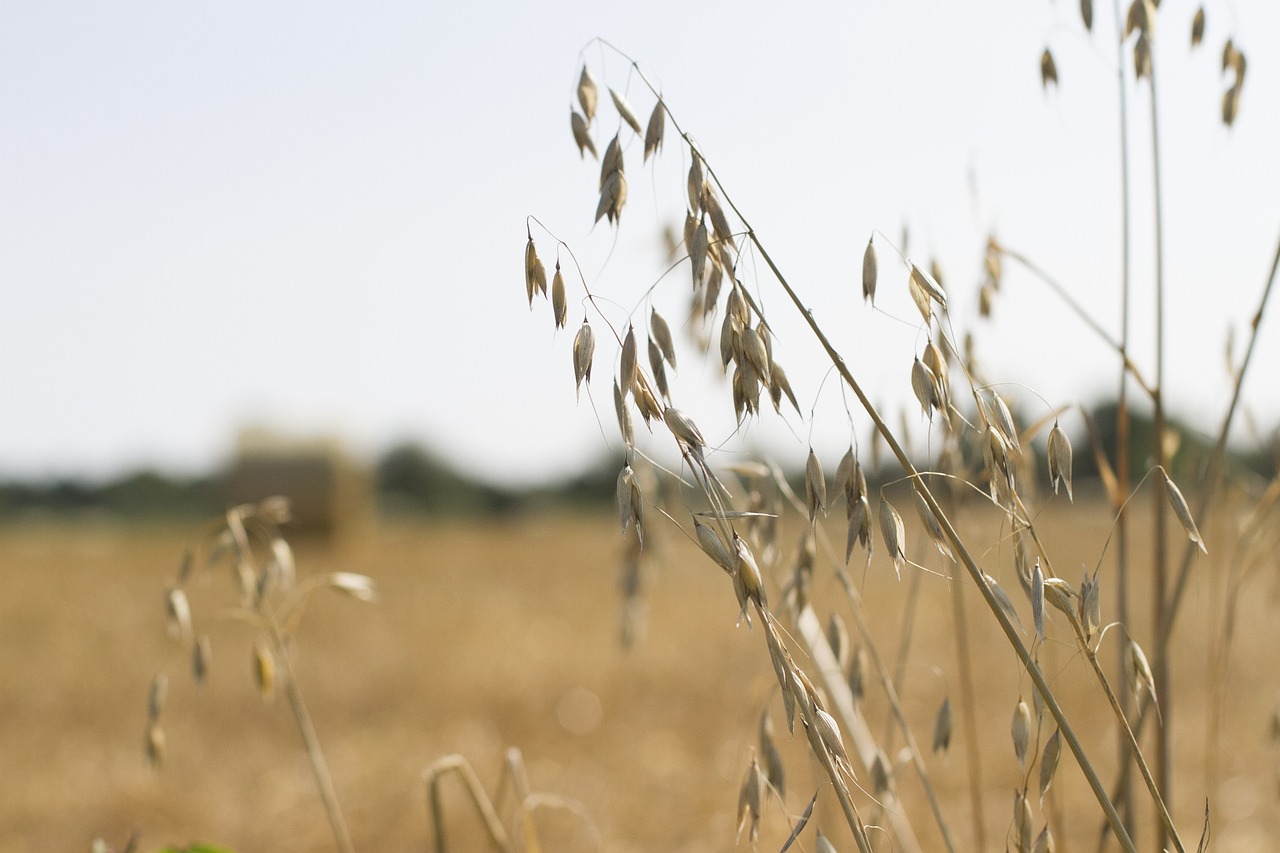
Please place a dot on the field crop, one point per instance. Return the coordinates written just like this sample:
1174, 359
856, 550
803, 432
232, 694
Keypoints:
490, 635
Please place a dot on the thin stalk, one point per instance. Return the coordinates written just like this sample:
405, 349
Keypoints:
1160, 573
968, 711
319, 767
1122, 413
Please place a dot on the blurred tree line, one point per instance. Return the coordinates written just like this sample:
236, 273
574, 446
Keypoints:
412, 481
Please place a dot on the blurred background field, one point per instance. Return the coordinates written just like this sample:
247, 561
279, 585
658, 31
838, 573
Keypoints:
504, 633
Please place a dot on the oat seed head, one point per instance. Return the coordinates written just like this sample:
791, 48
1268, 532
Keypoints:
588, 94
869, 272
624, 110
559, 305
1020, 728
942, 725
1060, 459
581, 135
584, 349
1180, 509
1049, 761
653, 132
892, 532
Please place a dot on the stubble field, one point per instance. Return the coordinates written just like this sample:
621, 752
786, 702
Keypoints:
491, 635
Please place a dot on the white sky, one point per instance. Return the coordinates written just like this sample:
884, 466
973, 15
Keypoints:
312, 215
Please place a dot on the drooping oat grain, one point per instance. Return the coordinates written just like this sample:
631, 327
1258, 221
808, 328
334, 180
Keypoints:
658, 367
1197, 27
698, 252
1048, 70
859, 527
155, 743
931, 526
1142, 57
613, 195
588, 94
1180, 509
838, 639
559, 304
1140, 671
697, 180
653, 133
942, 725
1020, 728
1086, 14
201, 658
857, 674
157, 696
624, 110
264, 670
823, 845
535, 274
815, 485
894, 535
581, 136
1090, 606
661, 333
1060, 459
178, 612
780, 386
683, 428
1037, 599
584, 349
627, 364
924, 384
1049, 761
748, 574
880, 773
1044, 841
749, 796
1003, 600
713, 546
774, 772
612, 160
869, 272
625, 427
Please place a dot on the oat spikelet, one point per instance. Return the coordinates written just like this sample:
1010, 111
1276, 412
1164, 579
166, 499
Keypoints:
1048, 70
1060, 459
843, 485
178, 610
924, 384
942, 725
1230, 105
1140, 673
748, 580
838, 639
264, 670
1180, 509
559, 305
157, 696
612, 160
1059, 595
155, 743
624, 110
581, 136
1044, 841
931, 526
1197, 27
625, 427
1037, 599
613, 195
584, 350
774, 773
683, 428
1086, 14
659, 368
1049, 761
823, 845
1021, 731
857, 670
815, 486
1005, 603
713, 546
535, 274
1142, 57
869, 272
653, 133
749, 796
588, 94
627, 369
894, 536
697, 181
698, 252
662, 336
1090, 606
859, 527
201, 657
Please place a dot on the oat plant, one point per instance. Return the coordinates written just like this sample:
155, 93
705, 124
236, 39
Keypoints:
984, 465
271, 601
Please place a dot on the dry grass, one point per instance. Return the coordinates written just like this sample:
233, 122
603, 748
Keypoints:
497, 635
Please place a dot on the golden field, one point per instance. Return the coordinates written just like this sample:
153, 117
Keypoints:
490, 635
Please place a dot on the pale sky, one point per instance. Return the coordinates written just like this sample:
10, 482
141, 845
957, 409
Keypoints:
311, 216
